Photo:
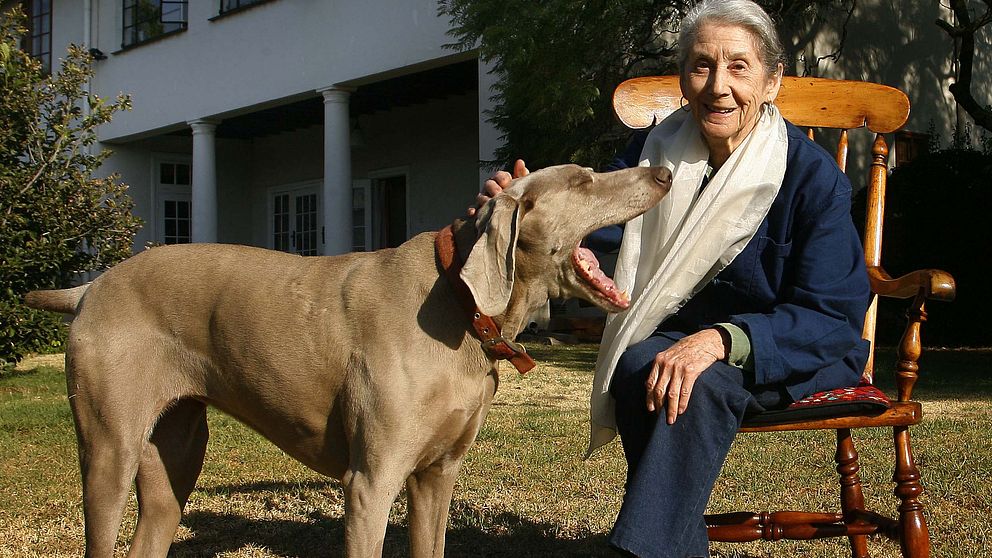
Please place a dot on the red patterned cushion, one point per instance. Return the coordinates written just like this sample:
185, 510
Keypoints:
863, 399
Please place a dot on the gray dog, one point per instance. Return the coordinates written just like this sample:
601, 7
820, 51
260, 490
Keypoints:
365, 366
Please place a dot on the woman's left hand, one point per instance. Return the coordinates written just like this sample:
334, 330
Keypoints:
675, 370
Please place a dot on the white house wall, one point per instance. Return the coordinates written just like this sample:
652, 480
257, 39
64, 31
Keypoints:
266, 56
277, 50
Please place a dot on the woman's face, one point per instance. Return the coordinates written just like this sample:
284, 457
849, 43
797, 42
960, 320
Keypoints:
726, 83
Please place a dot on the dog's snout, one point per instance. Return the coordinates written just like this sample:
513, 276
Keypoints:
663, 177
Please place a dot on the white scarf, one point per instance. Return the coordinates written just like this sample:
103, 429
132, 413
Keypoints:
672, 251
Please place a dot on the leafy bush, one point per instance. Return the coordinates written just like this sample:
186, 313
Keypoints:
56, 219
937, 217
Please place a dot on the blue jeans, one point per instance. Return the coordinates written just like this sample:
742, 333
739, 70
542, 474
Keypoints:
671, 469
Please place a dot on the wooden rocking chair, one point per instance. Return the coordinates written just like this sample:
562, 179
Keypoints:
824, 103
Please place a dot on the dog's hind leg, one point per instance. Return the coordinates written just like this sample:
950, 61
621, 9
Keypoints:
116, 395
170, 464
109, 437
108, 460
429, 496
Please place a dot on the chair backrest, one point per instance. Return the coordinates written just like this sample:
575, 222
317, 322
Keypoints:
813, 103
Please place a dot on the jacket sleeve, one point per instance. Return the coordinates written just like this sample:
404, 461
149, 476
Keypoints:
819, 312
631, 155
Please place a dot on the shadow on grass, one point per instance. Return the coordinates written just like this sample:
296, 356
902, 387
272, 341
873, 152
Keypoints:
504, 534
960, 374
269, 486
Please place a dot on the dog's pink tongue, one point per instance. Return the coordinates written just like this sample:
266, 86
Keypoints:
587, 267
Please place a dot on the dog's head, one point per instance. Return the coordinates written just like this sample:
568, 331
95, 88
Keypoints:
528, 237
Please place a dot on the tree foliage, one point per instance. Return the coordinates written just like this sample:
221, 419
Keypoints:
56, 219
558, 61
556, 66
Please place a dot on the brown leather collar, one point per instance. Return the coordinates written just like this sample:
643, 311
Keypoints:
493, 343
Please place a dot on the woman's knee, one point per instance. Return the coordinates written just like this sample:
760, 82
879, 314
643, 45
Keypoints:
633, 367
629, 377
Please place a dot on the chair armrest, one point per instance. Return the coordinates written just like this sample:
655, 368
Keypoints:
933, 284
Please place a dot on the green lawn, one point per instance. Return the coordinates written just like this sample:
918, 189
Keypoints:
524, 489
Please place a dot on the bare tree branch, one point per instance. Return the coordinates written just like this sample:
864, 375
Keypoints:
965, 31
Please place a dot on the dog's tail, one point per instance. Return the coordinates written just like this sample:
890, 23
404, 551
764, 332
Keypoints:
65, 300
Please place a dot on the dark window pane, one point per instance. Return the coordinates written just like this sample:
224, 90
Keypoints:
183, 210
167, 172
147, 19
227, 5
182, 174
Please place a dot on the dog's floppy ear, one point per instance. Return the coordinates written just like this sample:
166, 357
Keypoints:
488, 272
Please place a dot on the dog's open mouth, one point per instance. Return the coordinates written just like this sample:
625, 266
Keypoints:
587, 267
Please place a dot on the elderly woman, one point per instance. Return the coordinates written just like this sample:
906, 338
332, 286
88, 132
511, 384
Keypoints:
748, 286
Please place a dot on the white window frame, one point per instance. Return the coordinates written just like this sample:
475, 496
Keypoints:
365, 186
306, 186
168, 192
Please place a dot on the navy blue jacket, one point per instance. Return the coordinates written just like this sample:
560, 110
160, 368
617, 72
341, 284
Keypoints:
799, 289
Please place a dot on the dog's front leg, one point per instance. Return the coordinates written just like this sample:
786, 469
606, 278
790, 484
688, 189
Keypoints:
428, 498
367, 499
429, 489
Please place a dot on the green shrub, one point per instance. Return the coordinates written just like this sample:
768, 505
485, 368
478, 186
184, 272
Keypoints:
56, 220
937, 216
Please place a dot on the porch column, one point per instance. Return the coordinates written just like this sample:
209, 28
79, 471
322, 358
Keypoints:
204, 211
337, 171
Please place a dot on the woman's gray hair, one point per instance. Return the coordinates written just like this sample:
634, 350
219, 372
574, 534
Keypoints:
742, 13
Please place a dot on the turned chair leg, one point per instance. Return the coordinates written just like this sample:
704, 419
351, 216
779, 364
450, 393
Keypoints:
913, 533
852, 499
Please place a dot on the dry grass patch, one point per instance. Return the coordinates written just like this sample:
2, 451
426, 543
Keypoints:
38, 361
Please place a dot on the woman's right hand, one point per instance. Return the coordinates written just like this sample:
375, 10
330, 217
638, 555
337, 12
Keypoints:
496, 183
